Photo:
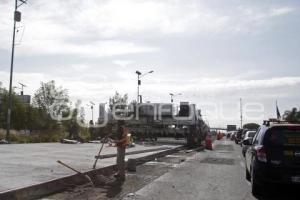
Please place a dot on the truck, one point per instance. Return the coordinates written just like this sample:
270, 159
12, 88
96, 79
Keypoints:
231, 128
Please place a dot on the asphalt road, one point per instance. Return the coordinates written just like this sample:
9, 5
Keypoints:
209, 175
204, 175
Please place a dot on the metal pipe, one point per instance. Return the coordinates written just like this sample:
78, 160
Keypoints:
140, 75
78, 172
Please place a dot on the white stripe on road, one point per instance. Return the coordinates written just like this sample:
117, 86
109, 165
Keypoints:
248, 182
242, 164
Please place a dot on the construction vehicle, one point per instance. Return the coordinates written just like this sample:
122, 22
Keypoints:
153, 120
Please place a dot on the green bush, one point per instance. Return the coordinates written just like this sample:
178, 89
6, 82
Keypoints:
19, 138
38, 137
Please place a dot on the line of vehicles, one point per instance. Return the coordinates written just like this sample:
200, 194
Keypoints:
272, 154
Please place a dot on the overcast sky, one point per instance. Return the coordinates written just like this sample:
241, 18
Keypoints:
213, 52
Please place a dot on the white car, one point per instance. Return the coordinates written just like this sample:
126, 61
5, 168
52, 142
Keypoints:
248, 136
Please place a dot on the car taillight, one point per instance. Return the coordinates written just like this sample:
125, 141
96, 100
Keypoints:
261, 153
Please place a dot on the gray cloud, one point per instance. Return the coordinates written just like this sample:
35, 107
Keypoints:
208, 50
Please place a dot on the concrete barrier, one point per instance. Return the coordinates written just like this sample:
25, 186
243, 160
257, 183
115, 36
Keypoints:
58, 185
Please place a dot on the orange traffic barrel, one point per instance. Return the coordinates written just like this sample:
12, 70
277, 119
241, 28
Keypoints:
208, 143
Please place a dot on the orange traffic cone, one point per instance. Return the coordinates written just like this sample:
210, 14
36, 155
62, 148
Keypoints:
208, 143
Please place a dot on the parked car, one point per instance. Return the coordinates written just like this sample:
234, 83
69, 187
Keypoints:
3, 142
241, 135
228, 134
248, 136
274, 156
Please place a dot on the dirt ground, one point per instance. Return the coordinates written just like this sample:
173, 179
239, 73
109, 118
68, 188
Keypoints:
113, 189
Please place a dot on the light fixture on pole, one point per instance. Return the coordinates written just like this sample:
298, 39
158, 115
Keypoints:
140, 75
174, 95
17, 18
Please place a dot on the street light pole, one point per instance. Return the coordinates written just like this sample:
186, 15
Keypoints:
138, 86
173, 95
140, 75
17, 18
92, 109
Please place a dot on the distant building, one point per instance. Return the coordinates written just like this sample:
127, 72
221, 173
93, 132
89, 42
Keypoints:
25, 99
102, 113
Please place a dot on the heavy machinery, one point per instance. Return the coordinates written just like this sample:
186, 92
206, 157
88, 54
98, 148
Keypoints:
152, 120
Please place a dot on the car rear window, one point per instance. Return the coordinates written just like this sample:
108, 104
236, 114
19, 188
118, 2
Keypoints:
284, 136
251, 133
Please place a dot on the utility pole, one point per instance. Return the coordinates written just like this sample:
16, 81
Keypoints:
174, 95
241, 112
17, 18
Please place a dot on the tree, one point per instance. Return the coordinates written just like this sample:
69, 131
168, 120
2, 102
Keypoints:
53, 104
113, 104
92, 130
72, 125
118, 104
118, 99
292, 116
2, 106
36, 119
52, 99
19, 115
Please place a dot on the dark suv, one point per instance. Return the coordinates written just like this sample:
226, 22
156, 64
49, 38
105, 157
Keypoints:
274, 155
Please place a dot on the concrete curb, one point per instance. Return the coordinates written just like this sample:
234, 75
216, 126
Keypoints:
60, 184
176, 142
133, 152
148, 158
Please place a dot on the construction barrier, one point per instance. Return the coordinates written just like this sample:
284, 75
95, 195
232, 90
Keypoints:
208, 143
